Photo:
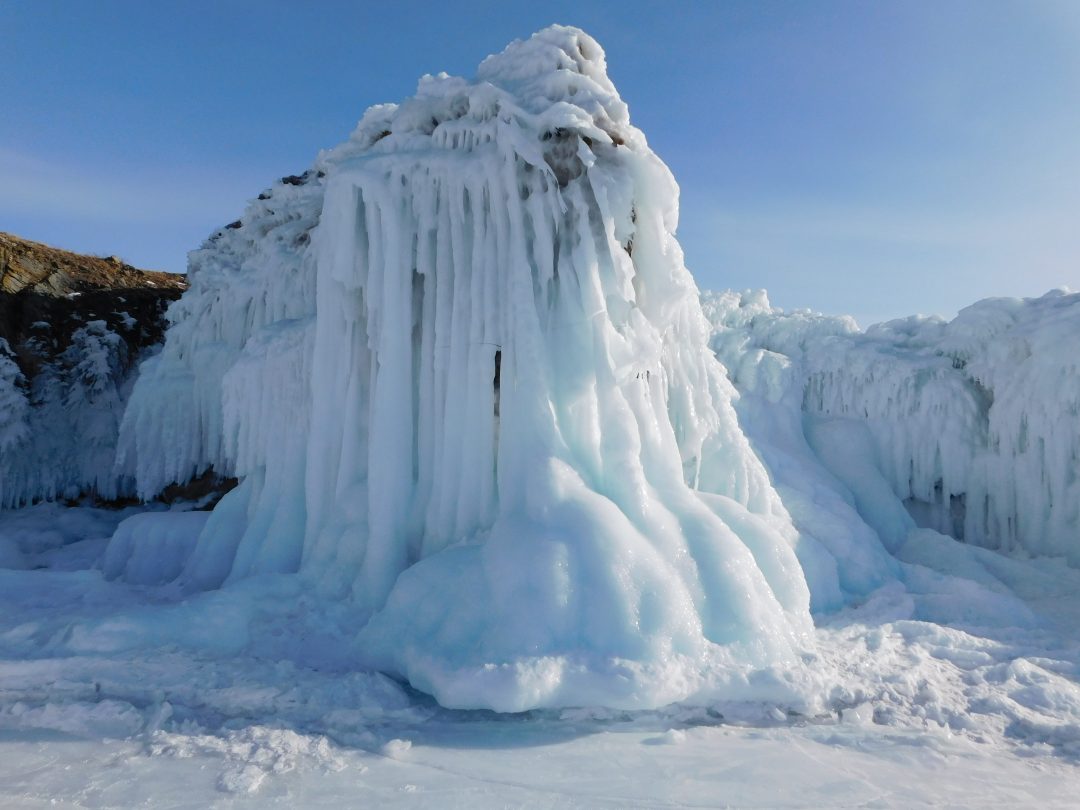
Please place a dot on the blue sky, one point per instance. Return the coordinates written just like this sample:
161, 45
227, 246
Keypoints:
872, 158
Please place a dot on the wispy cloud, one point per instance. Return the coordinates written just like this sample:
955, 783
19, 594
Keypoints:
882, 259
32, 185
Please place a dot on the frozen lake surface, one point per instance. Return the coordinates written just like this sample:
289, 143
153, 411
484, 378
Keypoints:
113, 695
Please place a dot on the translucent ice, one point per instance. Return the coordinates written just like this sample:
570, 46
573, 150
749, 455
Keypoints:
465, 378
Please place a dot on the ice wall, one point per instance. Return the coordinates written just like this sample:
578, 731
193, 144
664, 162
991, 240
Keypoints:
465, 379
974, 422
14, 404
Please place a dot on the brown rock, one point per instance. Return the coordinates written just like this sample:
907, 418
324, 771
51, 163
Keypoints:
47, 293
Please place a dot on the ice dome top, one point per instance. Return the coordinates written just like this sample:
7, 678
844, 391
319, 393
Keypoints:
555, 82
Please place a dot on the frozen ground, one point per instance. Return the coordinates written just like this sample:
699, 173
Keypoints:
115, 695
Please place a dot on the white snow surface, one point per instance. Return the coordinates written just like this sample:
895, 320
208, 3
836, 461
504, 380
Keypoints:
114, 695
465, 378
494, 450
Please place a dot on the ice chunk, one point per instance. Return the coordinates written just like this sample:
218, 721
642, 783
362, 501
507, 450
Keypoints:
152, 548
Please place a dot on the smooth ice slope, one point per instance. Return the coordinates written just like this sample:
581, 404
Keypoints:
465, 379
974, 423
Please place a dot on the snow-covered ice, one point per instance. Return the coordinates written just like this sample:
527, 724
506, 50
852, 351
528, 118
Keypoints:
58, 432
972, 423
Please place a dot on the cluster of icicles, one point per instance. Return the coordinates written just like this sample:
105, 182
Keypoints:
466, 384
973, 422
465, 381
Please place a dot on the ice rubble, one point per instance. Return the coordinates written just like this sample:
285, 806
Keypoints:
465, 379
974, 423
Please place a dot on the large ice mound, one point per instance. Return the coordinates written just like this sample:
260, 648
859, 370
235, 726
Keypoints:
465, 379
973, 423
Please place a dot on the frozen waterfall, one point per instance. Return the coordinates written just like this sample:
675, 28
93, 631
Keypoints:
465, 380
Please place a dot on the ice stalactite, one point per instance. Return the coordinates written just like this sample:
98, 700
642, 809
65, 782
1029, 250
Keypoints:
249, 280
58, 435
230, 389
465, 378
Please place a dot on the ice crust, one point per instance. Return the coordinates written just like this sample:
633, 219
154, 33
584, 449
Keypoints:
465, 378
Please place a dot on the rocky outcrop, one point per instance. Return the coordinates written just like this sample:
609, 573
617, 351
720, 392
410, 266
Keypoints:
72, 329
46, 294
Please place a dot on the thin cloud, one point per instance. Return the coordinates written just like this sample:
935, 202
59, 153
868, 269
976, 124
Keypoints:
33, 185
878, 260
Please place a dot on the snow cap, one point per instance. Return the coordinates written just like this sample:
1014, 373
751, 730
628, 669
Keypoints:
555, 80
557, 64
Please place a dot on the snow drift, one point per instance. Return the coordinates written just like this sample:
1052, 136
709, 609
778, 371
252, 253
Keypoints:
465, 379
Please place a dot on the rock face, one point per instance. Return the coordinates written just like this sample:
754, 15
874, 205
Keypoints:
42, 284
72, 328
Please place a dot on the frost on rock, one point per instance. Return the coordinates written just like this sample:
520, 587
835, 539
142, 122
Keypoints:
465, 379
69, 345
58, 436
14, 405
972, 423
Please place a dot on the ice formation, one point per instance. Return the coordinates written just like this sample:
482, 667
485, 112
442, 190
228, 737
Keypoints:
973, 423
465, 380
14, 404
473, 398
58, 432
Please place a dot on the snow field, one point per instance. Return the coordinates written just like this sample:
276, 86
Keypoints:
113, 694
